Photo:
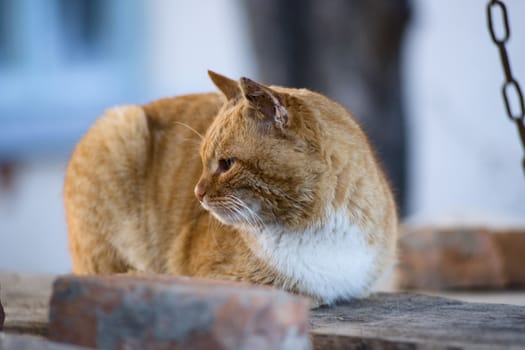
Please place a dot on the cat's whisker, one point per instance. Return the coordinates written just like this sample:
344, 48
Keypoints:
194, 143
254, 218
221, 204
235, 211
237, 208
238, 213
190, 128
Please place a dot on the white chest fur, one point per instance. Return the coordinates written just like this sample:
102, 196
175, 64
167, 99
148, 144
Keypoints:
331, 261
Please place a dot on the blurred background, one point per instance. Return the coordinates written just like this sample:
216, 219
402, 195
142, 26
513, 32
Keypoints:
422, 76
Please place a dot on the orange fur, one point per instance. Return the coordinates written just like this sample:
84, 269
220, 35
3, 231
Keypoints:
129, 187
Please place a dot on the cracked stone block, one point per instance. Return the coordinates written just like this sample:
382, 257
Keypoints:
452, 258
138, 312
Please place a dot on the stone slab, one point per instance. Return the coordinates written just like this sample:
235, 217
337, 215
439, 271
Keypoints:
26, 342
412, 321
134, 312
461, 258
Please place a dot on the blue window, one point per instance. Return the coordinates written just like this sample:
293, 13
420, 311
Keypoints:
61, 63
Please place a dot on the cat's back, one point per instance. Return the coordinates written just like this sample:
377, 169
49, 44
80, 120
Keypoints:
116, 169
106, 161
120, 145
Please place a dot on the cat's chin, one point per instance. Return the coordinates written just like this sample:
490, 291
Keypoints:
234, 220
230, 217
223, 216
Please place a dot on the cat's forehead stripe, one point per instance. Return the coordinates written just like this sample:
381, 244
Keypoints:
218, 131
210, 147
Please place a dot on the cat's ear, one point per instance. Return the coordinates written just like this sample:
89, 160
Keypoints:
266, 101
230, 88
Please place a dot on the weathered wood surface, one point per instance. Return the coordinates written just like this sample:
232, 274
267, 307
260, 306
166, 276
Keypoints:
407, 320
2, 315
26, 302
384, 321
27, 342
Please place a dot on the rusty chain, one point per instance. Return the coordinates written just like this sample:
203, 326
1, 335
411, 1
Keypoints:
510, 84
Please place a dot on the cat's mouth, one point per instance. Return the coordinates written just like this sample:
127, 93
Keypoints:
232, 210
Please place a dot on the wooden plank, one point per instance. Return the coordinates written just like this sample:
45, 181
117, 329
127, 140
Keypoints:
2, 315
407, 320
26, 302
27, 342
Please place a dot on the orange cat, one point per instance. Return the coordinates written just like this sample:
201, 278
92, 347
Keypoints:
296, 196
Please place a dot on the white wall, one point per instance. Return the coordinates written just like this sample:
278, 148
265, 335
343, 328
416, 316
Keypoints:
183, 40
186, 38
466, 154
32, 223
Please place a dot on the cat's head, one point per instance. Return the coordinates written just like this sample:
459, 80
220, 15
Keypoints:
262, 157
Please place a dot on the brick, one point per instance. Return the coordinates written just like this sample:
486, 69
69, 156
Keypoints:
115, 312
25, 342
451, 258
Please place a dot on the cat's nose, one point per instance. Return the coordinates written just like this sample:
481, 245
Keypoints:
200, 191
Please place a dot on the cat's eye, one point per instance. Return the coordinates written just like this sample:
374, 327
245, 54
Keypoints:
225, 164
